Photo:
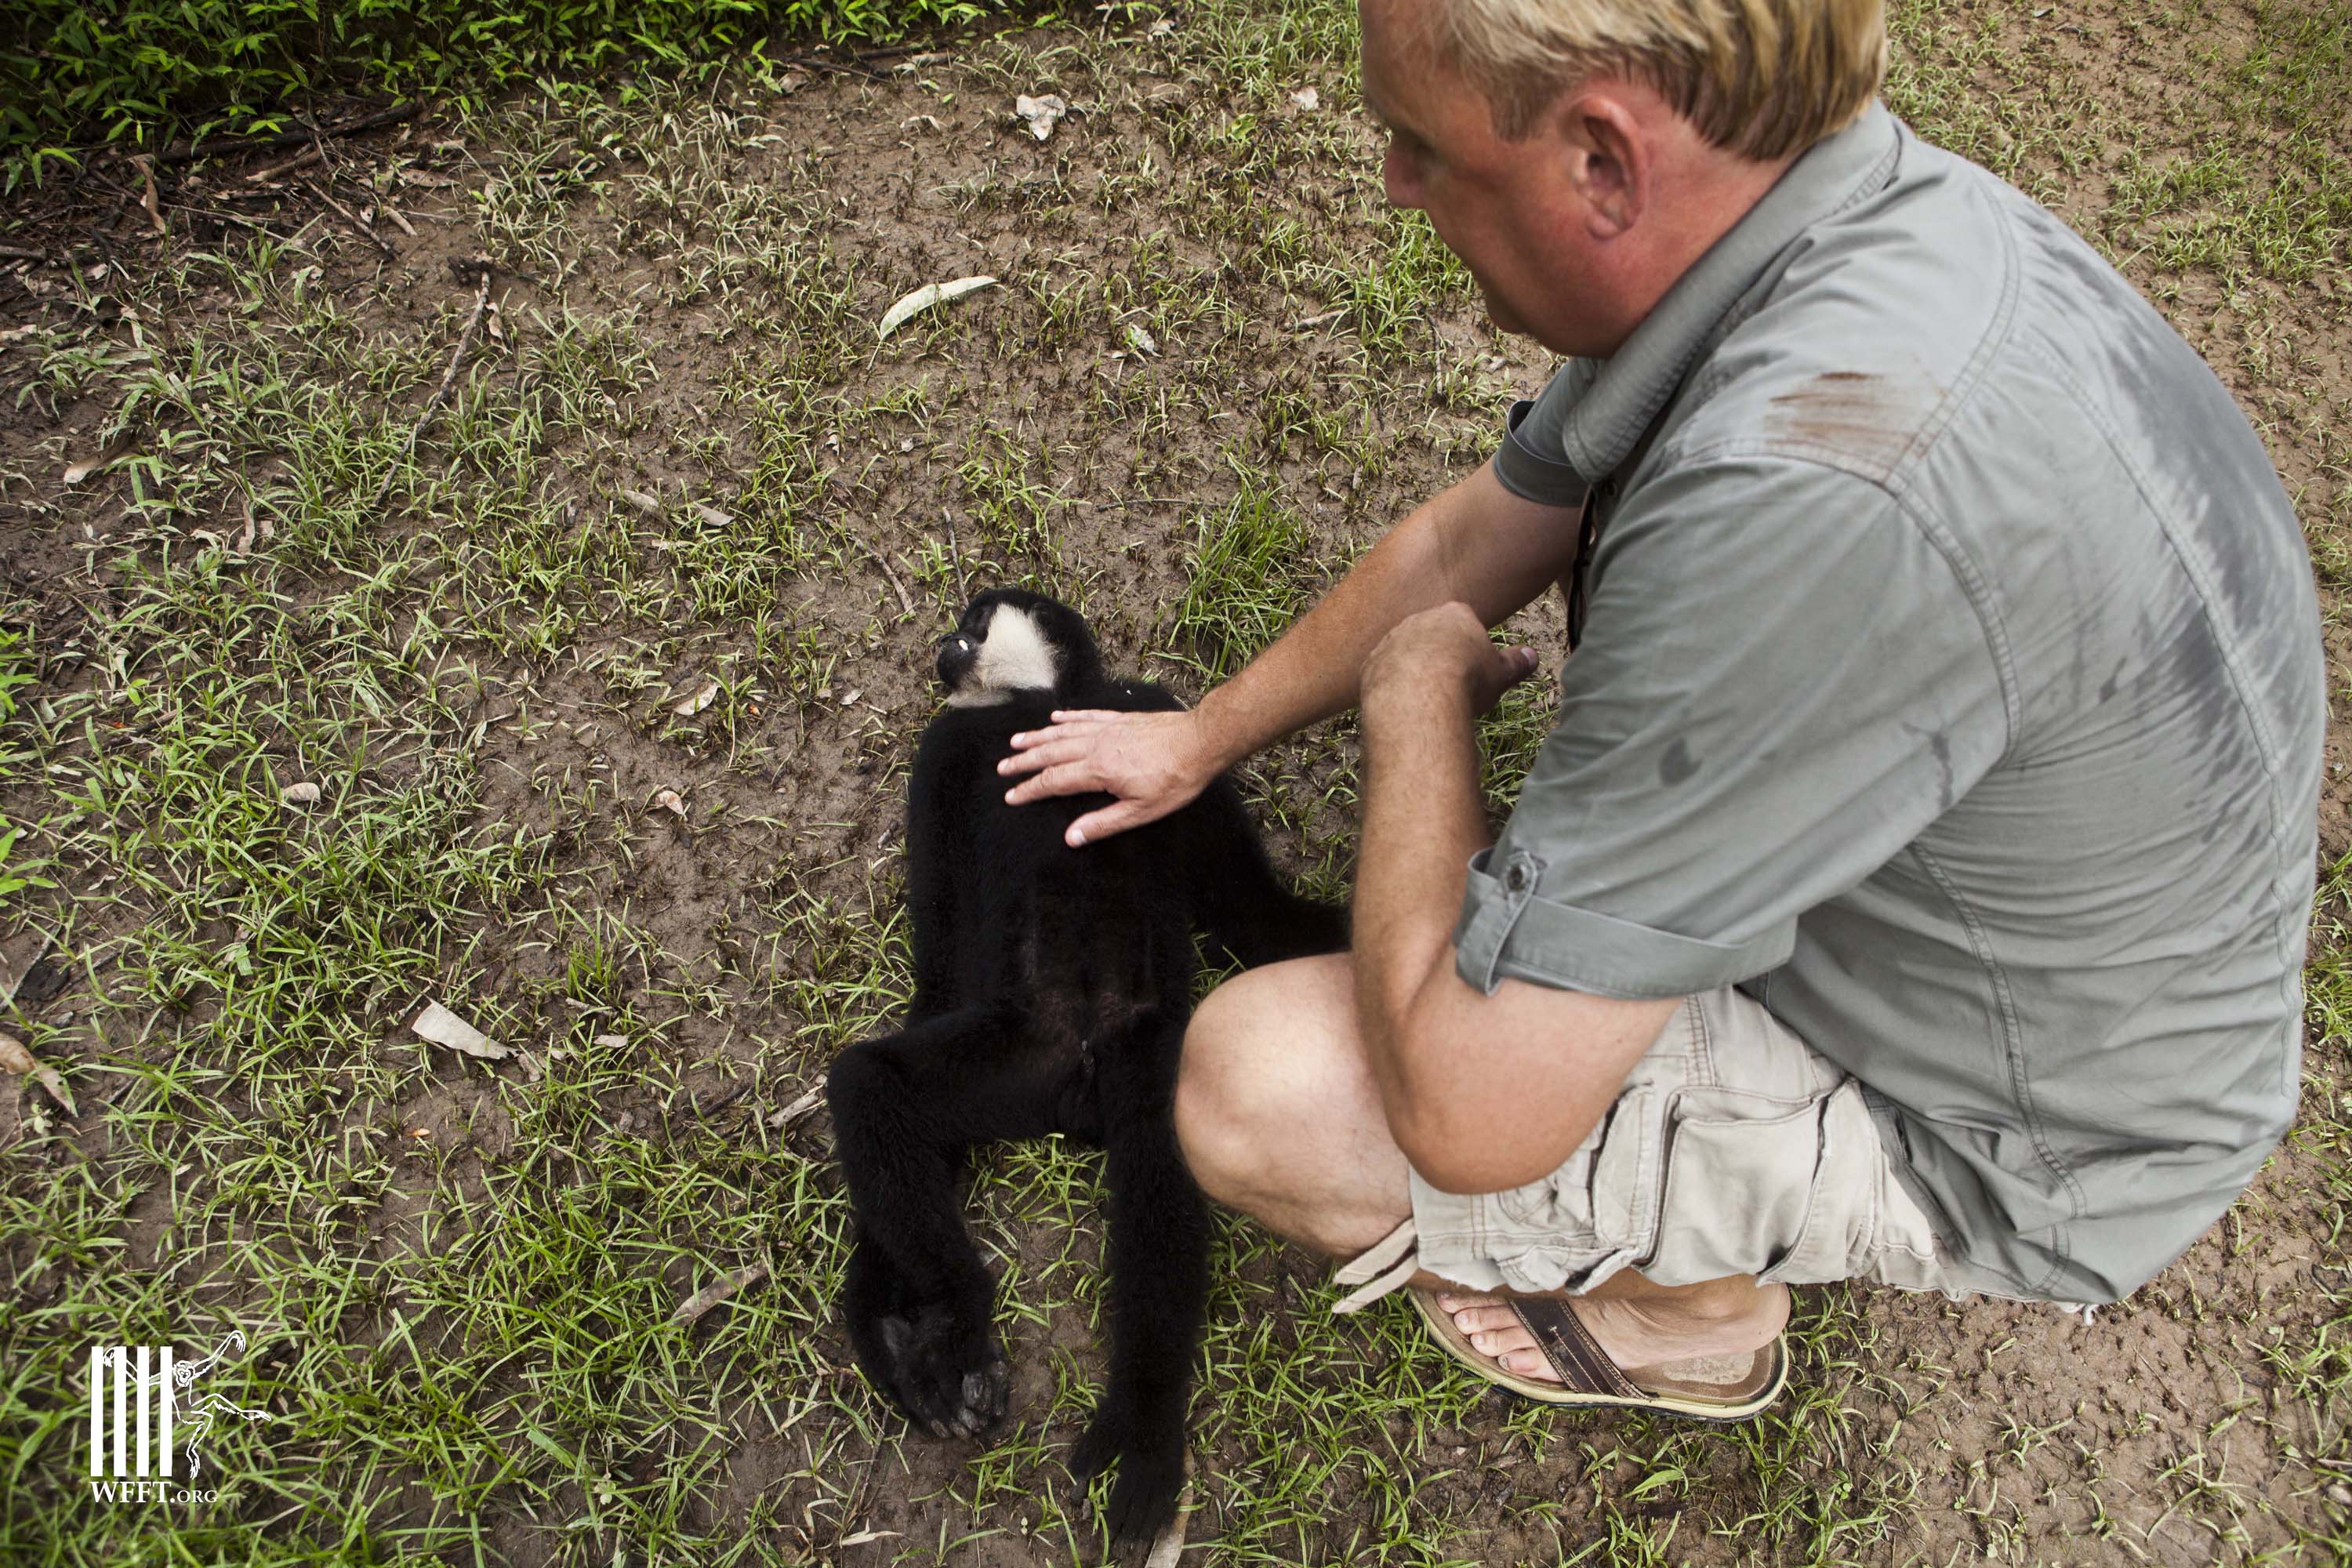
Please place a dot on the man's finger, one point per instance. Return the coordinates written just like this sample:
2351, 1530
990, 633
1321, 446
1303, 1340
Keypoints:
1097, 825
1042, 756
1059, 729
1095, 715
1070, 778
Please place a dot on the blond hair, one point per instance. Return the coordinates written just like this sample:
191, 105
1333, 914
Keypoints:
1762, 79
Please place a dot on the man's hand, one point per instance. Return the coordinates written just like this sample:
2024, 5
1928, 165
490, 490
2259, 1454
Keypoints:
1154, 763
1443, 649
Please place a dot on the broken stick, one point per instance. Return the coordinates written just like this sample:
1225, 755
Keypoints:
482, 270
905, 602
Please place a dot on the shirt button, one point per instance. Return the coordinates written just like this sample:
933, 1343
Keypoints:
1517, 879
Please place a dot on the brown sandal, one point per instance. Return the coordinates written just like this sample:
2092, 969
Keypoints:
1588, 1378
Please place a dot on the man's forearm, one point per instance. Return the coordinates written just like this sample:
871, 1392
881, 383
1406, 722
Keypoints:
1422, 820
1473, 542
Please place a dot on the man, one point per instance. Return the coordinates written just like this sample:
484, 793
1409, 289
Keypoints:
1914, 887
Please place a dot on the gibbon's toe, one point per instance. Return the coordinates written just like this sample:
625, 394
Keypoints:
1150, 1460
950, 1379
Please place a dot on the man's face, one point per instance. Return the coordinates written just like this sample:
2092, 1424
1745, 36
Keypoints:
1501, 206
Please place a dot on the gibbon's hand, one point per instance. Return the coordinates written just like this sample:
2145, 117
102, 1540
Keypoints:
1154, 763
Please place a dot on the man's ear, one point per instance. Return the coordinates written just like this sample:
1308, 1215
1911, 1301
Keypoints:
1609, 160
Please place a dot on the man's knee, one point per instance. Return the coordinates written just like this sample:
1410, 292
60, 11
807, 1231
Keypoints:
1215, 1122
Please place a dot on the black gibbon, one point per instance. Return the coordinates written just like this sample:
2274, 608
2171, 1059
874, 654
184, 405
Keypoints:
1052, 987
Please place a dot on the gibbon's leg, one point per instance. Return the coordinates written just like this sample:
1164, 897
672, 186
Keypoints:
915, 1296
1238, 902
1158, 1281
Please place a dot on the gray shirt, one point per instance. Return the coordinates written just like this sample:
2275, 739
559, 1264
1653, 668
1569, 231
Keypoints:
1952, 681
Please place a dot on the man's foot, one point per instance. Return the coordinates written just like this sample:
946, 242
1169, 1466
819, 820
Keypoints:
1660, 1327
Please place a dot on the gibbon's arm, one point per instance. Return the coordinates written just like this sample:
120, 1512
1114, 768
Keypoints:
1482, 1093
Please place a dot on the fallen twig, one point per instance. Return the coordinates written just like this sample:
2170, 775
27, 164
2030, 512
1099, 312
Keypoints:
905, 602
146, 167
294, 138
17, 253
955, 552
366, 232
315, 154
482, 270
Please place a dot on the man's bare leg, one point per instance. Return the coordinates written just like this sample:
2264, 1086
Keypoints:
1280, 1117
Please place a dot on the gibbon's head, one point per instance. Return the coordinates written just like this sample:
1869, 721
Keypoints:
1010, 640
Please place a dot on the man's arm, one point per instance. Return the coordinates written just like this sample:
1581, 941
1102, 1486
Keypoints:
1482, 1093
1473, 542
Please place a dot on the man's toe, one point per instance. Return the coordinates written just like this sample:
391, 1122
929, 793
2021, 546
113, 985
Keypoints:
1490, 1319
1529, 1363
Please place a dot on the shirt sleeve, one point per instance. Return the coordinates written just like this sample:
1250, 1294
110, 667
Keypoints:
1782, 682
1532, 462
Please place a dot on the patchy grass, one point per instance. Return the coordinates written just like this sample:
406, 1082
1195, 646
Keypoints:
686, 461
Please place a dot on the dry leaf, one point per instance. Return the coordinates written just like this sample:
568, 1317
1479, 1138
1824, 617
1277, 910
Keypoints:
798, 1108
1159, 29
929, 295
19, 955
1308, 98
1042, 113
1170, 1547
15, 1059
611, 1042
718, 1290
1141, 342
442, 1028
702, 697
792, 82
303, 794
863, 1536
670, 800
650, 505
852, 695
713, 515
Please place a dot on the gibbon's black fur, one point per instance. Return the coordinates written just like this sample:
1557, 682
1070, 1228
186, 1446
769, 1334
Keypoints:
1052, 987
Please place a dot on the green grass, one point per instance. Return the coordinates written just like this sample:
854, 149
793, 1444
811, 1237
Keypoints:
459, 1278
138, 73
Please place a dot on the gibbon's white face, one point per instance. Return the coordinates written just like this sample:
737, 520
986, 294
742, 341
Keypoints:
1014, 656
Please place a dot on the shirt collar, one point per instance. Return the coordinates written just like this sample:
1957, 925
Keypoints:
1608, 420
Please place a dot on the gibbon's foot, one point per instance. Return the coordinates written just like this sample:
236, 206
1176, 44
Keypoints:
948, 1379
1150, 1460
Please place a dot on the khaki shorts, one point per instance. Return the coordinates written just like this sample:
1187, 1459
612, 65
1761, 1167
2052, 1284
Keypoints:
1735, 1149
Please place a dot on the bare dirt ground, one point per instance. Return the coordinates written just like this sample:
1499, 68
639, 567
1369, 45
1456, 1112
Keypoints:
684, 525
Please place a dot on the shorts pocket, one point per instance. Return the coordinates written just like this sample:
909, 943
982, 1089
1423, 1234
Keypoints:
1841, 1211
1594, 1216
1738, 1185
